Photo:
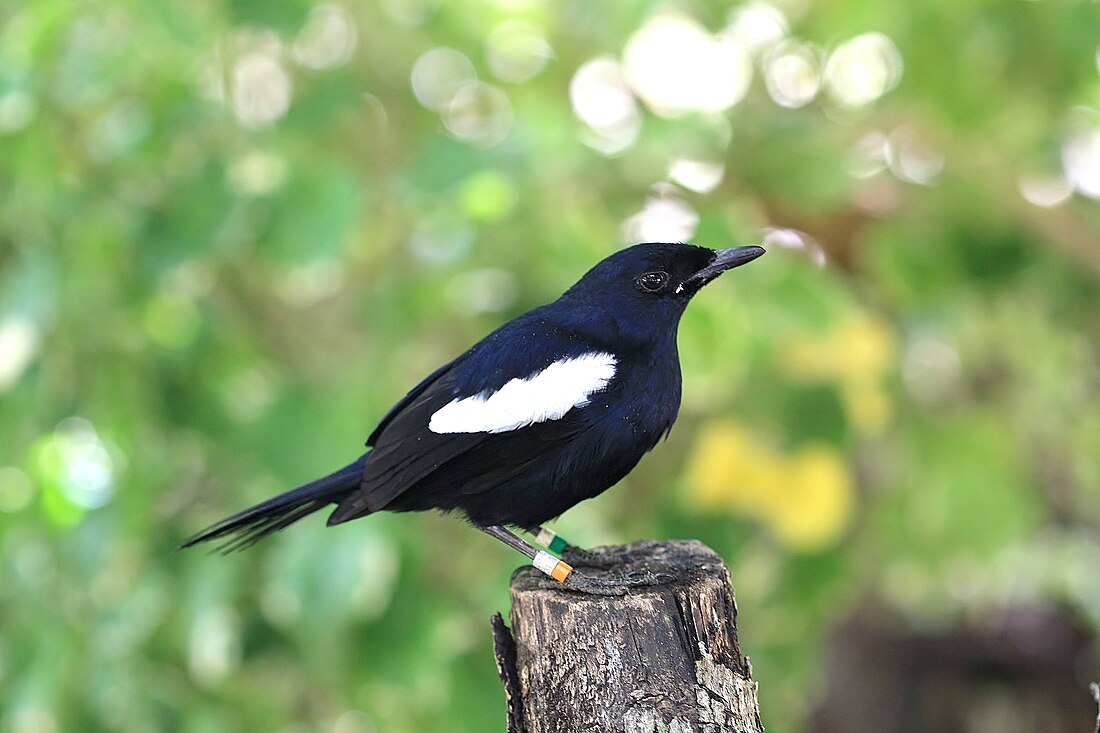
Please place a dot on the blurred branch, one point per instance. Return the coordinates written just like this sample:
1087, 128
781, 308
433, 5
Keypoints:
1071, 234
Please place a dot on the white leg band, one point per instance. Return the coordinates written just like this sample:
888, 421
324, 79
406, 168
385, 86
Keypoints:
545, 562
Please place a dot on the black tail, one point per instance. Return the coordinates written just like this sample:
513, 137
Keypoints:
253, 524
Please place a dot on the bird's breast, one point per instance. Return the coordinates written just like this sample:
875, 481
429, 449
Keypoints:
642, 404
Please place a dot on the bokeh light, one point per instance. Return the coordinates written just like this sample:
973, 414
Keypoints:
795, 240
604, 102
931, 367
1045, 191
517, 51
438, 74
479, 113
17, 110
666, 217
676, 66
1081, 162
328, 39
756, 26
489, 195
869, 155
248, 74
700, 176
861, 70
214, 647
74, 462
257, 173
259, 88
19, 343
16, 490
792, 75
912, 159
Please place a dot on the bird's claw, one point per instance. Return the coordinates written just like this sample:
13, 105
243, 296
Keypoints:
645, 577
577, 556
580, 557
579, 582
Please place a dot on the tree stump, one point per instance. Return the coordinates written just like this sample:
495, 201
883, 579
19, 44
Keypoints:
658, 659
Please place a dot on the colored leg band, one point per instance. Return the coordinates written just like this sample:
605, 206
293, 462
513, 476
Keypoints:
552, 566
551, 540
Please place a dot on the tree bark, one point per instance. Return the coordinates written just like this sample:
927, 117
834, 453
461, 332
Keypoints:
659, 659
1094, 688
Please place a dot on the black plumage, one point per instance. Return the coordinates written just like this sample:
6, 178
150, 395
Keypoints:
550, 409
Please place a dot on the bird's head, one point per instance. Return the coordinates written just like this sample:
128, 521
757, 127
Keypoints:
655, 280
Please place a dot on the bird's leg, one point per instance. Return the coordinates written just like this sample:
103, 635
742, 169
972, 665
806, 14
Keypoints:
575, 555
549, 539
541, 559
564, 574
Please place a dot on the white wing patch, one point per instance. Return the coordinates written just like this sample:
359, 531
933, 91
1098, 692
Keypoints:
546, 395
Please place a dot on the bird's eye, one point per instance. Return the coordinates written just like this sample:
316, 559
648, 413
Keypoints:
653, 281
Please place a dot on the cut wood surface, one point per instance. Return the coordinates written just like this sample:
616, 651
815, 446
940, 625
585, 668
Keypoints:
659, 658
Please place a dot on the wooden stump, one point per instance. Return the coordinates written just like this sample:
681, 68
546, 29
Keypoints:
661, 658
1094, 688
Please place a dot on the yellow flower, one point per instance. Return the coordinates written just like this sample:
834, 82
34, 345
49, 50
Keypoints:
730, 469
867, 347
867, 407
857, 356
816, 505
806, 498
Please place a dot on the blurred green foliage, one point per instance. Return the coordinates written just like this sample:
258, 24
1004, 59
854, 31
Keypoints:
232, 234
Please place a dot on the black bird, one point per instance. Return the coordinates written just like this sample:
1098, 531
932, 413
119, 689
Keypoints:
552, 408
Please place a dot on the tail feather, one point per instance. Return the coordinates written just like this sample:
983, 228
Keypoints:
245, 528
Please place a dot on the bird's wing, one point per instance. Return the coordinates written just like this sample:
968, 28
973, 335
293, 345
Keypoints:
503, 456
406, 400
404, 450
407, 451
487, 415
436, 471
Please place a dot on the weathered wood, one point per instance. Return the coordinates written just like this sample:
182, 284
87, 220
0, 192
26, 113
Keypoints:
660, 658
1094, 688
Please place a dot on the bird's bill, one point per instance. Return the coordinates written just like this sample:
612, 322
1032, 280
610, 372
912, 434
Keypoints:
724, 259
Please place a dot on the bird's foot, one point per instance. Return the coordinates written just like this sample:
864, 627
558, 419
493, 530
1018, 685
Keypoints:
601, 559
619, 585
605, 561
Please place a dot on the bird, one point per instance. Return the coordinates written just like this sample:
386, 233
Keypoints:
551, 408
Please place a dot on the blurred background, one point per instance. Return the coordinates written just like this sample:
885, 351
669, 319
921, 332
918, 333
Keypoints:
233, 234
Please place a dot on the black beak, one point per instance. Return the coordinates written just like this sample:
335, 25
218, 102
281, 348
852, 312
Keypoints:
724, 259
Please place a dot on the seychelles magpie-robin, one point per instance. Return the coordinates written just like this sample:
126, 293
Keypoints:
552, 408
